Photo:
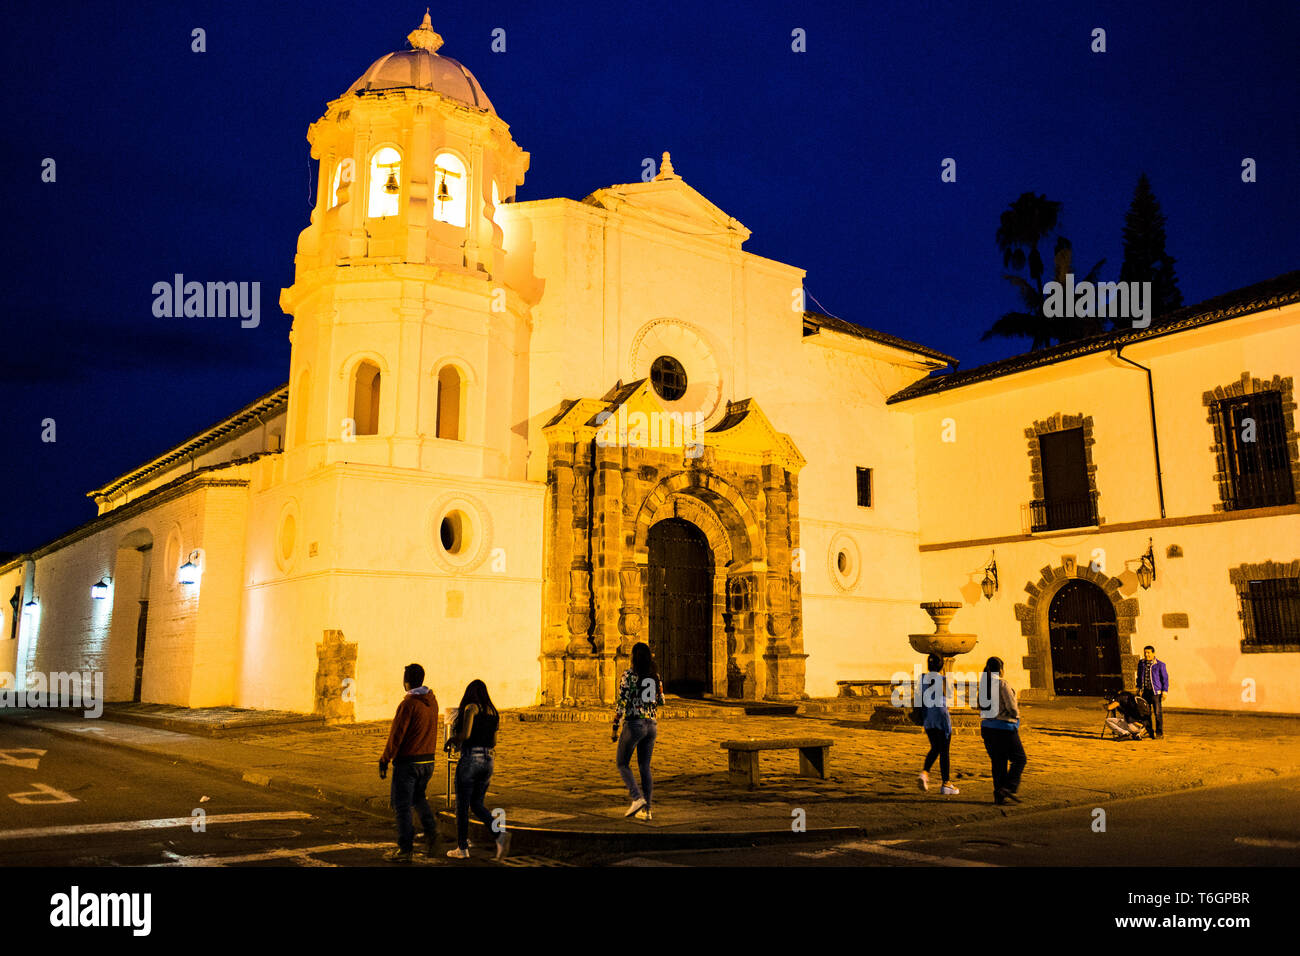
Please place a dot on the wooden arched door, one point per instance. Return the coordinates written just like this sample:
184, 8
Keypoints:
1085, 642
680, 597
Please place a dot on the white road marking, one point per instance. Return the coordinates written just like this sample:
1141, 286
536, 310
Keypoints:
43, 794
642, 861
30, 763
280, 854
166, 823
1277, 844
872, 846
818, 854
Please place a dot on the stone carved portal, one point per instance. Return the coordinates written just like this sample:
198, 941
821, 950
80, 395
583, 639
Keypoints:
624, 479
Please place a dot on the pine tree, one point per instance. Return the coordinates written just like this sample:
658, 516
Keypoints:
1145, 257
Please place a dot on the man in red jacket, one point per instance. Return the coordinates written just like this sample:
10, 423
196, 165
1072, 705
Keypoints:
412, 745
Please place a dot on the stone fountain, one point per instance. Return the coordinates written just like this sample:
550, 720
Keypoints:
942, 642
947, 645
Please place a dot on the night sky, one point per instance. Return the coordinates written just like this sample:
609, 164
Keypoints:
173, 161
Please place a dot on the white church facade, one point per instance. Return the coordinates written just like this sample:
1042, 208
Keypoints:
518, 437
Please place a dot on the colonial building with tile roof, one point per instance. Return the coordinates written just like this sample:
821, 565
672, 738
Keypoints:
517, 438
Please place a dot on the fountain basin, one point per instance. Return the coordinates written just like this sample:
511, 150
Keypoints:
946, 645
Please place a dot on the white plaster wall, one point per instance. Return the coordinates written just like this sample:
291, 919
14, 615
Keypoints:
375, 577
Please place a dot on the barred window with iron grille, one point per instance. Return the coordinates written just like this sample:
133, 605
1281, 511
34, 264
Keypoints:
1257, 465
1271, 615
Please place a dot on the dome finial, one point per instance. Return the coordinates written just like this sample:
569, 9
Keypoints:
666, 168
424, 37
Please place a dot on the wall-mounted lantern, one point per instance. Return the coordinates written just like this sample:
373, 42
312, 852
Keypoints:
99, 590
990, 583
189, 571
1146, 571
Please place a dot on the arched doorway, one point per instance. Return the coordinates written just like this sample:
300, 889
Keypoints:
680, 598
1084, 642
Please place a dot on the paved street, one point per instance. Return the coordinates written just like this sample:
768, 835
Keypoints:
1248, 825
73, 803
556, 783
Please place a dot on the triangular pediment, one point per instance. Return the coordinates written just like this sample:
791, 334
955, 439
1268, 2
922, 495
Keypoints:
671, 202
633, 416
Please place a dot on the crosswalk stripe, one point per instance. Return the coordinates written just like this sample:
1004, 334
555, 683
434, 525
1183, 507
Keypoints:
1277, 844
279, 854
871, 846
166, 823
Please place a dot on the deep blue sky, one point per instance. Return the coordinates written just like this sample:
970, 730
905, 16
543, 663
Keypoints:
171, 161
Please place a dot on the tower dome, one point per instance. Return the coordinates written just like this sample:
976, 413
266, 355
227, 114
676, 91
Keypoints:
422, 68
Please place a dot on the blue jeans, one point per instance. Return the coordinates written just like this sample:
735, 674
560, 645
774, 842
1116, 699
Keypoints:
409, 783
473, 771
639, 734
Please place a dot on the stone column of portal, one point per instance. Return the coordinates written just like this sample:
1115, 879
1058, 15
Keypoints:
559, 562
777, 583
631, 575
797, 663
718, 632
607, 561
417, 184
579, 664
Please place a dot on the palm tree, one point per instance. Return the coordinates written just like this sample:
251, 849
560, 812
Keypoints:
1024, 224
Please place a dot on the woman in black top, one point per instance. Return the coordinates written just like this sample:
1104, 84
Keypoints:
474, 734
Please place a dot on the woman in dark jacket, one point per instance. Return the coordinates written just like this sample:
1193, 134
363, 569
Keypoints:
474, 734
640, 692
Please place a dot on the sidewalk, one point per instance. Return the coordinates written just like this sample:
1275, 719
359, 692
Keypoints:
557, 782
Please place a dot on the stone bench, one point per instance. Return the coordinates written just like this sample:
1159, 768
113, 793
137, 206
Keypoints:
864, 688
742, 756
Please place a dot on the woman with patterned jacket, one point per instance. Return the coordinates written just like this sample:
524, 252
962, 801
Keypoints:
640, 692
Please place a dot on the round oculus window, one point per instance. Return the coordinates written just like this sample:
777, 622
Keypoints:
451, 532
668, 378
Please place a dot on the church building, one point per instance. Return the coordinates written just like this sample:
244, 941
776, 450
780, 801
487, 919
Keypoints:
518, 437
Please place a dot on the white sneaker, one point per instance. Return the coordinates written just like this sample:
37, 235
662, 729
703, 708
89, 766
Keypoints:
637, 804
924, 780
949, 789
458, 854
644, 814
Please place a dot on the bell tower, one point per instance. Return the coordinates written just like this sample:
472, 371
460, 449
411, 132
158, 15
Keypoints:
400, 310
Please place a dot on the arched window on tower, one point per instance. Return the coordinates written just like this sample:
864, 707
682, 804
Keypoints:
385, 183
449, 423
451, 188
365, 399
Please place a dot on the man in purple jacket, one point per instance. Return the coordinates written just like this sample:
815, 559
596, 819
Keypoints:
1153, 684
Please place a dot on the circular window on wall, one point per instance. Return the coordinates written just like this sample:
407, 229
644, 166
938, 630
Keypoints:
286, 537
668, 378
845, 562
458, 532
452, 532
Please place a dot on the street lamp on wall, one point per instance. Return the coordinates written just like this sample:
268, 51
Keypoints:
99, 590
990, 583
1146, 571
189, 571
